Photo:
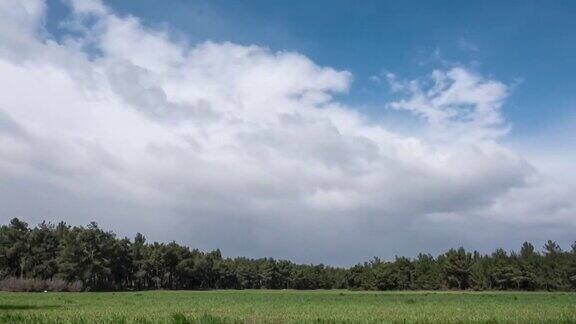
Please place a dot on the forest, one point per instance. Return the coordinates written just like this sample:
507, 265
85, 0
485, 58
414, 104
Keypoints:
61, 257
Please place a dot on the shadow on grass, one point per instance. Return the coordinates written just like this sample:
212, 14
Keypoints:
27, 307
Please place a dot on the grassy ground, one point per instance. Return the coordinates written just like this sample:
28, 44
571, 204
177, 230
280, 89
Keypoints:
287, 306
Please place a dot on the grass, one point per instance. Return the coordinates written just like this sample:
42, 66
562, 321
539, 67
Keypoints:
255, 306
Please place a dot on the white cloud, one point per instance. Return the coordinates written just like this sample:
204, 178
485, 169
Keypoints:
239, 147
456, 102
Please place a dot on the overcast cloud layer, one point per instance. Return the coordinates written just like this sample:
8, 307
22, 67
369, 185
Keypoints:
237, 147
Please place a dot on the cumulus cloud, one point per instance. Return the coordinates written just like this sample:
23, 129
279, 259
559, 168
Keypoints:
457, 102
246, 149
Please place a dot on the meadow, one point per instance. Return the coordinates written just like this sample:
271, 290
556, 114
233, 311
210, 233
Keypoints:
256, 306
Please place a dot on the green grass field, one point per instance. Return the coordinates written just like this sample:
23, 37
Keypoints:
287, 306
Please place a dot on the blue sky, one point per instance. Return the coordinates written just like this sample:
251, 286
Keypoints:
530, 45
319, 131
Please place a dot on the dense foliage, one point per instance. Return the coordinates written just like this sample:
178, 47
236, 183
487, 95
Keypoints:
101, 261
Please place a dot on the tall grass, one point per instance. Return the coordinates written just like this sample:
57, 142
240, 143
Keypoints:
256, 306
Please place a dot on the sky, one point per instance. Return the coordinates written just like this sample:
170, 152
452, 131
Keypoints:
314, 131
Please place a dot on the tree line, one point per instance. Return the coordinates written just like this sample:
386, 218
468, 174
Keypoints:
99, 260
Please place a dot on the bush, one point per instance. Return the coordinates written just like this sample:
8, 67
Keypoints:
61, 285
56, 285
37, 285
21, 285
74, 286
